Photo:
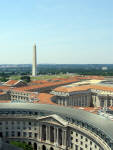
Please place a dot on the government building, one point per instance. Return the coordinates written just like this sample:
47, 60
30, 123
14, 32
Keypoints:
90, 95
48, 127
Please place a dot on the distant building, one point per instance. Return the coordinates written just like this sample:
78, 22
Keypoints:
84, 96
104, 68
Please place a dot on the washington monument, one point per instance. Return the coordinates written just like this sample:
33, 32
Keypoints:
34, 65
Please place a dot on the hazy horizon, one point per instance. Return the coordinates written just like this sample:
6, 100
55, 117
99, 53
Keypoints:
56, 64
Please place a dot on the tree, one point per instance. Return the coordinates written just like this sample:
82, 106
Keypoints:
23, 145
3, 79
26, 78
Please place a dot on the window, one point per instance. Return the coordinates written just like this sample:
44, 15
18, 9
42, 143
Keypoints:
86, 146
71, 138
7, 134
12, 122
76, 134
24, 134
76, 147
90, 142
81, 137
35, 135
81, 143
18, 127
30, 134
6, 122
86, 139
76, 140
71, 145
35, 123
18, 134
24, 123
12, 133
18, 122
71, 132
24, 128
36, 113
1, 135
29, 123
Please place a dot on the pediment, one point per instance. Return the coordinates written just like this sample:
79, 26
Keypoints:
54, 119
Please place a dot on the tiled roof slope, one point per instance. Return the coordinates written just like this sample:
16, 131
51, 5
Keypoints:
48, 84
11, 82
45, 98
83, 88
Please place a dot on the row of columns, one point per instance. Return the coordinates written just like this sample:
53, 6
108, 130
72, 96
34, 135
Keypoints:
101, 101
52, 134
83, 100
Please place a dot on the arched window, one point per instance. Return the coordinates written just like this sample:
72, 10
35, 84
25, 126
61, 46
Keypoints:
43, 147
35, 146
51, 148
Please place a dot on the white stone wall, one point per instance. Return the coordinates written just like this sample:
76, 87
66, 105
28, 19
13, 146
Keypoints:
73, 136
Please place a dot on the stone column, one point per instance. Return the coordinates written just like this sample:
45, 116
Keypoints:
40, 131
46, 133
105, 103
64, 138
57, 137
49, 133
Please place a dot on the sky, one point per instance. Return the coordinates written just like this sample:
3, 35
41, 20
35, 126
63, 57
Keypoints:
65, 31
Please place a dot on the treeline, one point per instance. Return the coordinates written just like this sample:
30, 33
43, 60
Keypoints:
6, 74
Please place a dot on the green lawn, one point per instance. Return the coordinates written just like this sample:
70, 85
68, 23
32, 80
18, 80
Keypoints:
15, 77
43, 77
47, 77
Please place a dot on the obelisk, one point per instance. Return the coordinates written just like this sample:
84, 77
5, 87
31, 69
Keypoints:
34, 65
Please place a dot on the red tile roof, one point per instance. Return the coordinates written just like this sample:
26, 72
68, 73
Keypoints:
91, 77
83, 88
11, 82
45, 98
1, 93
4, 88
5, 101
38, 82
48, 84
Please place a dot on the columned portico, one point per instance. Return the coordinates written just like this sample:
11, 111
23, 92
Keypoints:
52, 134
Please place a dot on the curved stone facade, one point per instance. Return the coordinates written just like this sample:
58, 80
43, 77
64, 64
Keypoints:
45, 129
